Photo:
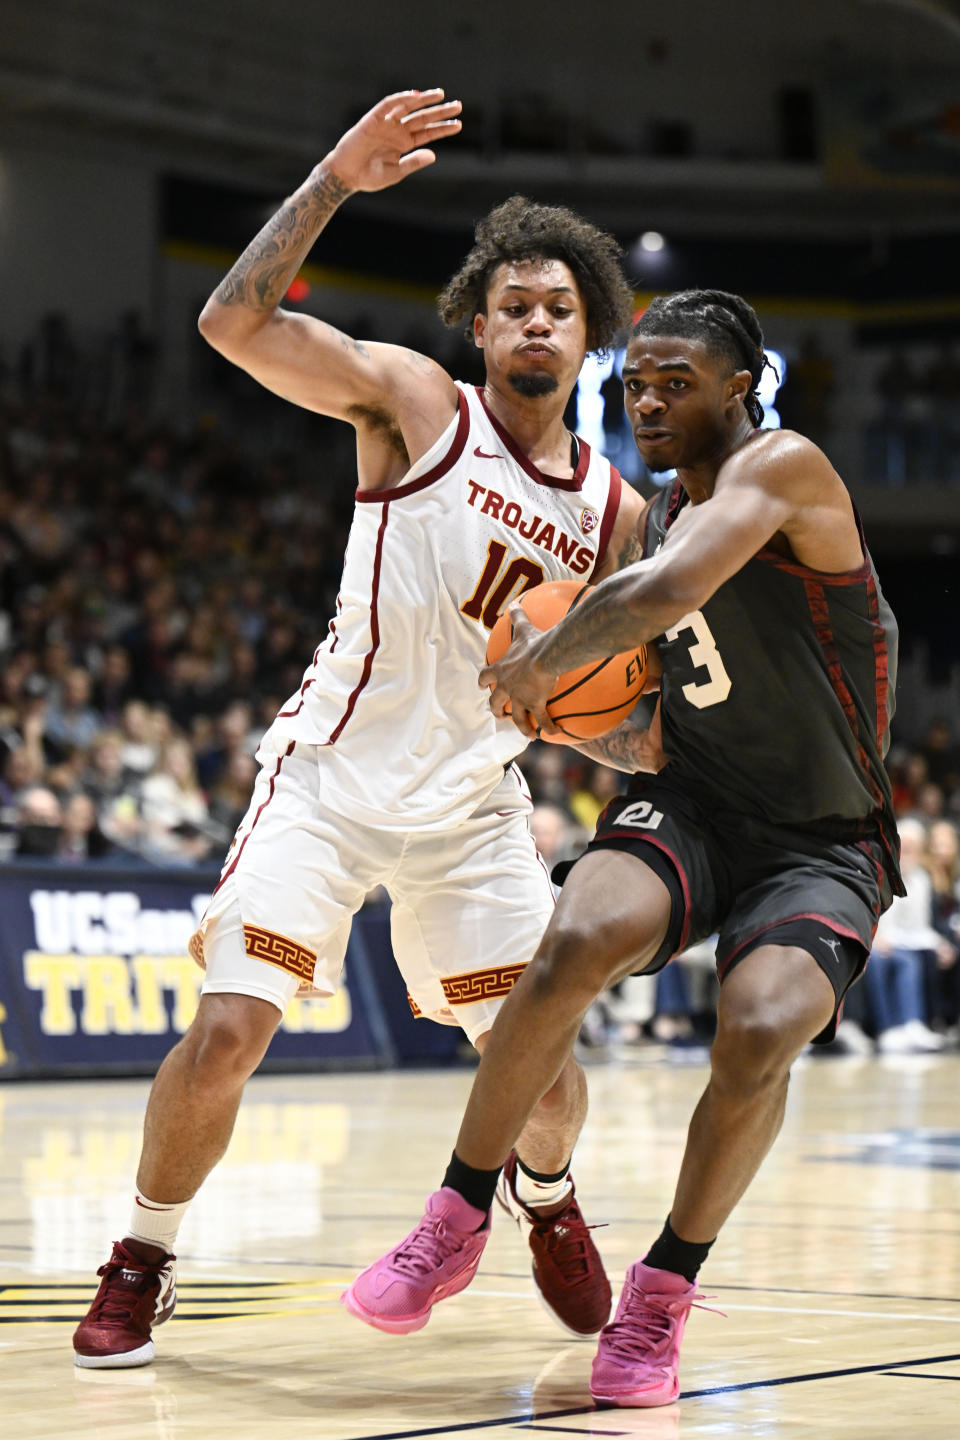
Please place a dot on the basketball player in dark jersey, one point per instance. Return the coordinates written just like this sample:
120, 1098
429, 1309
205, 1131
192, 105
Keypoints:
768, 819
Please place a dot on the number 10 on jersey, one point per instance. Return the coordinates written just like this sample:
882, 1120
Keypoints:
495, 590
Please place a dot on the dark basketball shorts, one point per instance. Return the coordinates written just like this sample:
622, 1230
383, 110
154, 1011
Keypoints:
751, 882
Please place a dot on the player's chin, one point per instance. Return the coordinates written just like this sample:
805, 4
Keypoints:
532, 384
659, 458
659, 447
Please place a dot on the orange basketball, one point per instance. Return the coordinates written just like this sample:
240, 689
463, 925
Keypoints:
592, 699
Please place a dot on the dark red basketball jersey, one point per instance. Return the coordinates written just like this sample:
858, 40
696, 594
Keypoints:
778, 694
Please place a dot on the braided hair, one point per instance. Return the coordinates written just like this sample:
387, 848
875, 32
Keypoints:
726, 326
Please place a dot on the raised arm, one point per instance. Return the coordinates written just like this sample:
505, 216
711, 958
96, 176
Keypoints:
380, 387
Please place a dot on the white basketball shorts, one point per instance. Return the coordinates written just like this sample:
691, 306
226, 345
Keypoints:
469, 904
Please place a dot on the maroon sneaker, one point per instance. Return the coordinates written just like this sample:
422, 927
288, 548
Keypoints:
567, 1269
133, 1296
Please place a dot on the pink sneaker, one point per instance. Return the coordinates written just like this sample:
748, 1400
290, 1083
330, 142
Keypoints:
639, 1352
437, 1259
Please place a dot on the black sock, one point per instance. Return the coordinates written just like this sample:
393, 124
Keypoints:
476, 1186
683, 1257
544, 1179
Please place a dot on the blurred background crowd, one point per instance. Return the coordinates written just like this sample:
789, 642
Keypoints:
162, 591
171, 536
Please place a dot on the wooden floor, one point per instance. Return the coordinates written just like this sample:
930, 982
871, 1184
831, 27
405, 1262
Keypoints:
840, 1273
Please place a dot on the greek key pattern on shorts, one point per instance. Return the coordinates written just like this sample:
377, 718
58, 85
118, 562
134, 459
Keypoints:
195, 948
415, 1008
481, 984
281, 951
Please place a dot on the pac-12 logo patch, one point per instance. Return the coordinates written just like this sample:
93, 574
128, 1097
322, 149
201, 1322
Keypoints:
589, 519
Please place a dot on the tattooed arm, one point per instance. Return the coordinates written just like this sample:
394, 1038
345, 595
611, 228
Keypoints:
635, 744
389, 392
776, 481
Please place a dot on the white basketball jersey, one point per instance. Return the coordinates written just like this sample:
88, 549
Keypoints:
391, 694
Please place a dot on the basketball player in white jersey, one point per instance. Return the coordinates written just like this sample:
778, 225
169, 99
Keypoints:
387, 767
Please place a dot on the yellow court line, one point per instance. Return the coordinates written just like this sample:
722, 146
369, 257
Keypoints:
188, 1292
22, 1320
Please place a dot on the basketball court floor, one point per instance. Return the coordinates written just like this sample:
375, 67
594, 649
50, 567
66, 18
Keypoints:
839, 1274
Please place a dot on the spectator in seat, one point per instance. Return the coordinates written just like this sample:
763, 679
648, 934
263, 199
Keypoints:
943, 858
73, 722
39, 823
173, 809
231, 794
80, 836
114, 791
894, 976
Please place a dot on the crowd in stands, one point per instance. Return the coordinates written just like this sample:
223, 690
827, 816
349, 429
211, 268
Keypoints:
909, 1000
160, 595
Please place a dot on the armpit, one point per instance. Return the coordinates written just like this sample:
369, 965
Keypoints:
378, 424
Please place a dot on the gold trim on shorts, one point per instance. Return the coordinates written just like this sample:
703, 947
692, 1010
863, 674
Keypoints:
476, 985
281, 951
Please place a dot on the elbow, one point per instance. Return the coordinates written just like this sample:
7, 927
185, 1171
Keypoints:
232, 329
228, 328
212, 325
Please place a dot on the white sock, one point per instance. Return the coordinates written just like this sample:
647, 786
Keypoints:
155, 1224
540, 1192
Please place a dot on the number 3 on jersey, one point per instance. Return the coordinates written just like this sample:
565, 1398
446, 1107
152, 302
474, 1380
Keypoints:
704, 655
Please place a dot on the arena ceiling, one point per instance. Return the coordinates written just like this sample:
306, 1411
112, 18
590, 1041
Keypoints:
832, 118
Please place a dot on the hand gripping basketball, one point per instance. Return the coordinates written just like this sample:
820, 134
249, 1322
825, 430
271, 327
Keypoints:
592, 699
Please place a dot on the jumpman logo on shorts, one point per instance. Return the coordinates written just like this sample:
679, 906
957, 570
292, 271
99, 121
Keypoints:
833, 945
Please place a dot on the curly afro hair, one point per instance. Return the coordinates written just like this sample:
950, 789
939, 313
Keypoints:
521, 230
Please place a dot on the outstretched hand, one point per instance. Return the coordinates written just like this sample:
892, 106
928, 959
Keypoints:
521, 680
391, 140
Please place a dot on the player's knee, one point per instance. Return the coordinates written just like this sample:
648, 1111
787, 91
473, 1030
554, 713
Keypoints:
560, 974
229, 1037
578, 958
751, 1053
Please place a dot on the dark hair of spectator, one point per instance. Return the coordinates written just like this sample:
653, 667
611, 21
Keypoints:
725, 324
519, 230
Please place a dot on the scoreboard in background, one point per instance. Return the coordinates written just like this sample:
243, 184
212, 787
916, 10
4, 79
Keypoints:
95, 977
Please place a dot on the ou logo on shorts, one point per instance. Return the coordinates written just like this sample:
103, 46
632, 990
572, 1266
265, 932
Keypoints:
640, 816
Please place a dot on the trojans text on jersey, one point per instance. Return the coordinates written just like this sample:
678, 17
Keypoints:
534, 528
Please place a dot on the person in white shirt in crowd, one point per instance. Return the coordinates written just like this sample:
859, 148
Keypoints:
894, 977
173, 808
139, 752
